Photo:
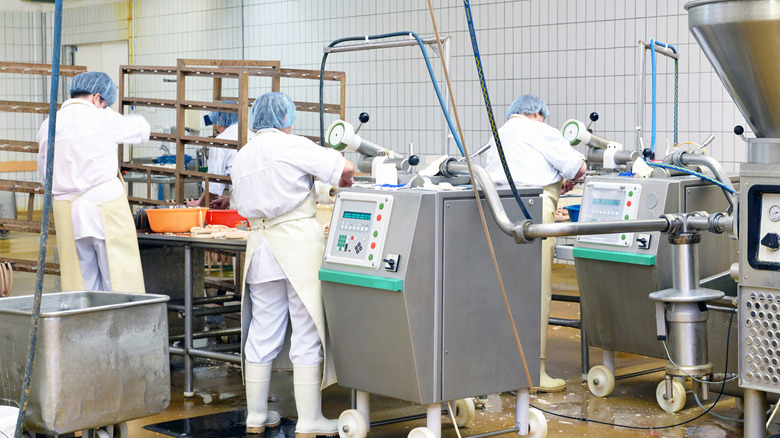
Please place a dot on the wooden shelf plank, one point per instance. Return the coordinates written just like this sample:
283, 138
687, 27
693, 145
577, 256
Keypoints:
19, 146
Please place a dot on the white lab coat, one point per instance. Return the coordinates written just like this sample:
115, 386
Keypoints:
86, 159
221, 159
537, 153
272, 187
95, 231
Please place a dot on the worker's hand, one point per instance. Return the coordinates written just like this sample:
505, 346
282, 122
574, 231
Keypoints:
325, 230
346, 182
220, 203
194, 203
566, 187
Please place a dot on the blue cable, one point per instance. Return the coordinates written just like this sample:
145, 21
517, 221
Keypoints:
690, 172
653, 42
489, 108
427, 64
41, 267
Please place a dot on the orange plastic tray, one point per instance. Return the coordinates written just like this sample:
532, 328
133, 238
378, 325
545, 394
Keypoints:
224, 217
175, 220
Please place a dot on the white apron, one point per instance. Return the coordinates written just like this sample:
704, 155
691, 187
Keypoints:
297, 241
124, 258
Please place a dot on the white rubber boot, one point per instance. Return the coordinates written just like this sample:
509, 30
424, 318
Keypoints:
258, 381
547, 383
307, 381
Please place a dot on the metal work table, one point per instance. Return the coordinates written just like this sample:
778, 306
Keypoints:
188, 243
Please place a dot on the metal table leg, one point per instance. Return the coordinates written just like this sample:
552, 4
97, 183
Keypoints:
755, 417
188, 293
584, 351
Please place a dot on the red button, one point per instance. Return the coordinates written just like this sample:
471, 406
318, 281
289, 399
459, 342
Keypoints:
628, 203
373, 245
352, 238
378, 217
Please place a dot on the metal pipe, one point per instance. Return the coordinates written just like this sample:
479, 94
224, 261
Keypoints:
532, 231
368, 45
488, 189
434, 419
566, 298
640, 97
562, 322
621, 156
208, 334
685, 269
682, 158
398, 420
640, 373
513, 430
720, 308
666, 51
188, 362
755, 416
232, 358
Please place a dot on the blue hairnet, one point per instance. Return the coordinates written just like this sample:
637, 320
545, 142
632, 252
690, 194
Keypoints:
94, 82
528, 104
222, 118
273, 110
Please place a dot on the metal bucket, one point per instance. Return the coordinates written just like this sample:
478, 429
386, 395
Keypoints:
101, 359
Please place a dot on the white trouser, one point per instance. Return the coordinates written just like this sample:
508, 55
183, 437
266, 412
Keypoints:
93, 260
272, 302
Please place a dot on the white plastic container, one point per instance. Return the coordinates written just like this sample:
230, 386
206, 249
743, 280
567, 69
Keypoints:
8, 416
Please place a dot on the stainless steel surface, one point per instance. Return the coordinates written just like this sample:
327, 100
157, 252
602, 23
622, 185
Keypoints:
564, 252
763, 151
488, 190
115, 344
188, 392
415, 344
739, 38
687, 325
610, 307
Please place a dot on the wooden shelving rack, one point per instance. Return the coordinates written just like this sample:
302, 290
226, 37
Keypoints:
18, 186
218, 70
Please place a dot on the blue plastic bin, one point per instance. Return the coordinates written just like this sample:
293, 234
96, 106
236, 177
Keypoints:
574, 212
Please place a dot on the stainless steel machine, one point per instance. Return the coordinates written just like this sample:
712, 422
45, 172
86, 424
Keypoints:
739, 38
406, 273
637, 264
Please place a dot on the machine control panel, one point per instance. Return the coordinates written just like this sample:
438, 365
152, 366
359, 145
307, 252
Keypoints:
608, 201
764, 232
358, 229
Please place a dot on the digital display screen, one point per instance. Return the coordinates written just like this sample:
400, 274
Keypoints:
357, 215
602, 201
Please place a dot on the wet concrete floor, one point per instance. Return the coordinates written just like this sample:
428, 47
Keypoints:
218, 388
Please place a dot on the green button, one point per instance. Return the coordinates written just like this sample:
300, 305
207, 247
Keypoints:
630, 193
623, 237
376, 233
381, 205
625, 217
371, 257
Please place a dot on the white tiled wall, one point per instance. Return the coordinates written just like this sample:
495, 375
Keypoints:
578, 55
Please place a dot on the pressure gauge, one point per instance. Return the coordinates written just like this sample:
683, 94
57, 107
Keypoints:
774, 213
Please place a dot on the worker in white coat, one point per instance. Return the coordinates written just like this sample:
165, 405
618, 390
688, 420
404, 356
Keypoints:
96, 237
273, 186
537, 155
220, 159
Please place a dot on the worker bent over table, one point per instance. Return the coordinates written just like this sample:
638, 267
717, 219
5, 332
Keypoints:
273, 180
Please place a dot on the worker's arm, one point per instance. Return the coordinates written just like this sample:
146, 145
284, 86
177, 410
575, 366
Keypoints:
347, 174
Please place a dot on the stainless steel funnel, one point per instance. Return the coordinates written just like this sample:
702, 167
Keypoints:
741, 38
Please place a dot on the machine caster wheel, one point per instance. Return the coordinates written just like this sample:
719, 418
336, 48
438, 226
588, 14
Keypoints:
352, 424
601, 381
421, 432
678, 397
4, 234
464, 411
537, 424
121, 430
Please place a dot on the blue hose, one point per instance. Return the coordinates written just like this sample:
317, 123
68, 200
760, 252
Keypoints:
690, 172
489, 108
374, 37
676, 75
36, 309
